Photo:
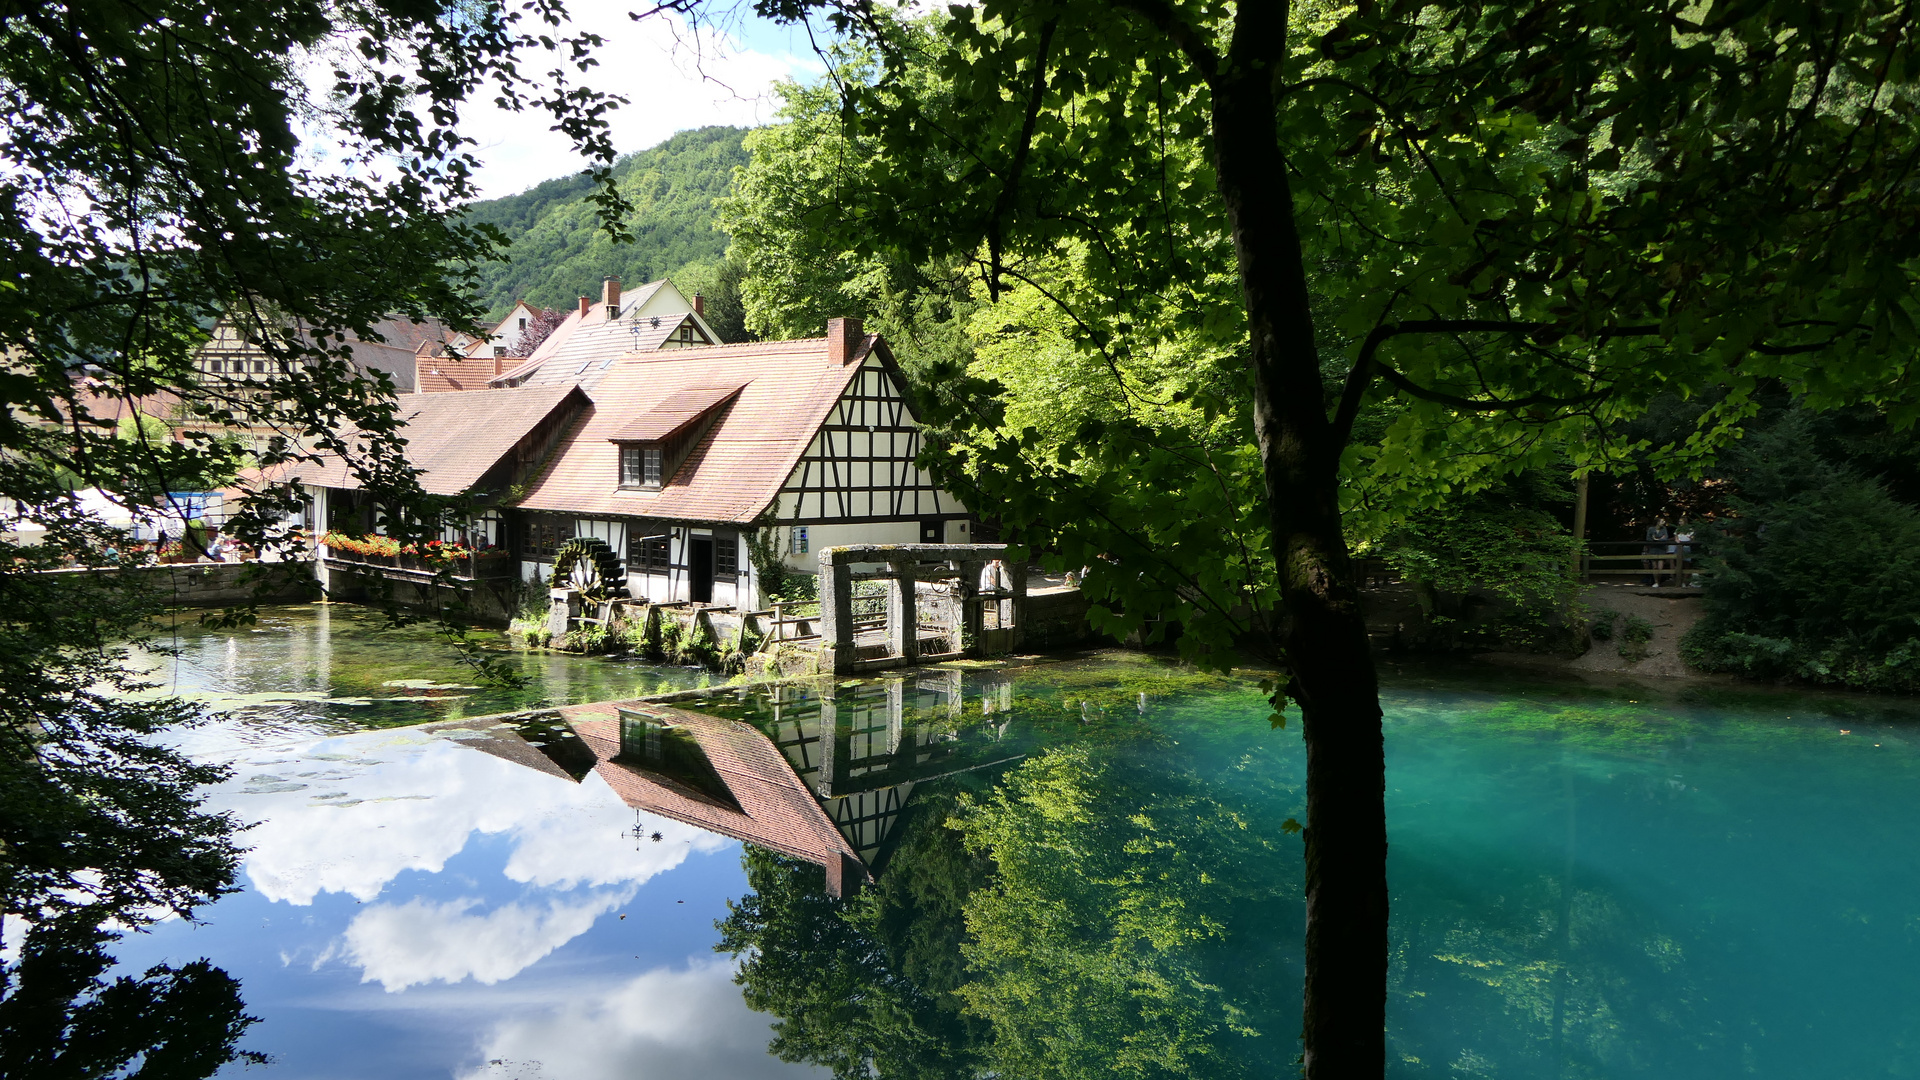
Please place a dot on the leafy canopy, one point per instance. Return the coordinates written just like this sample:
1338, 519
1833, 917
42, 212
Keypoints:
1521, 223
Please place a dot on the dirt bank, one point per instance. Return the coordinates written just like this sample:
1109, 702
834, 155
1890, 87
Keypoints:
1670, 613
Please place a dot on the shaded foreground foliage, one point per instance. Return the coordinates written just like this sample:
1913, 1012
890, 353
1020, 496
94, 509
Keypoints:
165, 167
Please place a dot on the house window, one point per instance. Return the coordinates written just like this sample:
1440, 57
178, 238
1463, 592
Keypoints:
640, 467
542, 535
216, 366
726, 555
647, 547
800, 540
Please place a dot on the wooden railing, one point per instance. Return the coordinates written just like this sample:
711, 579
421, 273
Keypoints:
1649, 560
792, 620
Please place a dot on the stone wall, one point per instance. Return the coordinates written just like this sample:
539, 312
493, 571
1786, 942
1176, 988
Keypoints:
1056, 618
490, 601
211, 584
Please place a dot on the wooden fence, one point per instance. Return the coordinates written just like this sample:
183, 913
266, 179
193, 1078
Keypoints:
1665, 563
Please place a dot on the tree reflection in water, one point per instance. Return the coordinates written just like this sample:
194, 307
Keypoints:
1123, 902
101, 829
1097, 910
61, 1020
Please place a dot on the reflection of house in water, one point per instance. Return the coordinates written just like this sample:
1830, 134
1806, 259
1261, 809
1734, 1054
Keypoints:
863, 748
831, 787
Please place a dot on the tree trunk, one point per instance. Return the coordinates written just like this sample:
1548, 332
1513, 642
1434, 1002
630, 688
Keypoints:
1325, 640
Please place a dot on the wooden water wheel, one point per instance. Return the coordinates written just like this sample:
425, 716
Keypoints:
590, 566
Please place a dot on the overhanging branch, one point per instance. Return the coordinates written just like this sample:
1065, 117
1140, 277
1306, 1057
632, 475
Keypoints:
1367, 363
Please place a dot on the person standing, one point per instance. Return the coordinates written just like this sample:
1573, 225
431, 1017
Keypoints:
1683, 551
1658, 537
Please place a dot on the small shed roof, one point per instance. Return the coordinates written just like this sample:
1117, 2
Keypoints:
775, 810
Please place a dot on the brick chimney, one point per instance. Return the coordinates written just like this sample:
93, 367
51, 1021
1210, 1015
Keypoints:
843, 339
699, 304
586, 305
610, 296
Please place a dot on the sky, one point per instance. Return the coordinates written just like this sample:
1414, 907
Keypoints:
674, 79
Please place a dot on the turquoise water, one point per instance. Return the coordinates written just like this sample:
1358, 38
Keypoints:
1085, 876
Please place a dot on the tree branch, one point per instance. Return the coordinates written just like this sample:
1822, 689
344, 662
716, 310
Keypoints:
1003, 204
1365, 364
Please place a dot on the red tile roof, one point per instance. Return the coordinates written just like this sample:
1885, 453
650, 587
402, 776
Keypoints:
97, 400
776, 810
580, 344
738, 467
442, 374
454, 438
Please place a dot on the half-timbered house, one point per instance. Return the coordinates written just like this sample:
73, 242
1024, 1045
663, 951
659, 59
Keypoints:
684, 454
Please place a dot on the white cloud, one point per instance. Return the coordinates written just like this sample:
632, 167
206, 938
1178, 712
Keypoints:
352, 813
402, 945
663, 1025
673, 77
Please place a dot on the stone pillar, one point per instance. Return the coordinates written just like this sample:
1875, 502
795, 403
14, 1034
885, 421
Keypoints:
971, 614
836, 614
563, 606
896, 717
833, 748
1017, 581
903, 610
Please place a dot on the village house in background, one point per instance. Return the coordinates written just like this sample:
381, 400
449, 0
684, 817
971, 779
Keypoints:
229, 358
582, 347
629, 428
506, 336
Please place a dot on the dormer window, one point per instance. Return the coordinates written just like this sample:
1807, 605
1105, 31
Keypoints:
640, 467
655, 445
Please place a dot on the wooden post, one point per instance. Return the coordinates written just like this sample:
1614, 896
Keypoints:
1580, 528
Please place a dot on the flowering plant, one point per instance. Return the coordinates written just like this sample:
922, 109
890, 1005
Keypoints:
371, 544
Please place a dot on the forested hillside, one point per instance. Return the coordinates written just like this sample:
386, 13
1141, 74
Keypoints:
559, 251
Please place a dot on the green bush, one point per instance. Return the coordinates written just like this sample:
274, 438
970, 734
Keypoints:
672, 633
1818, 578
800, 588
1634, 637
587, 638
700, 647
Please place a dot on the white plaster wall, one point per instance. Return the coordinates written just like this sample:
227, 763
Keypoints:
826, 536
